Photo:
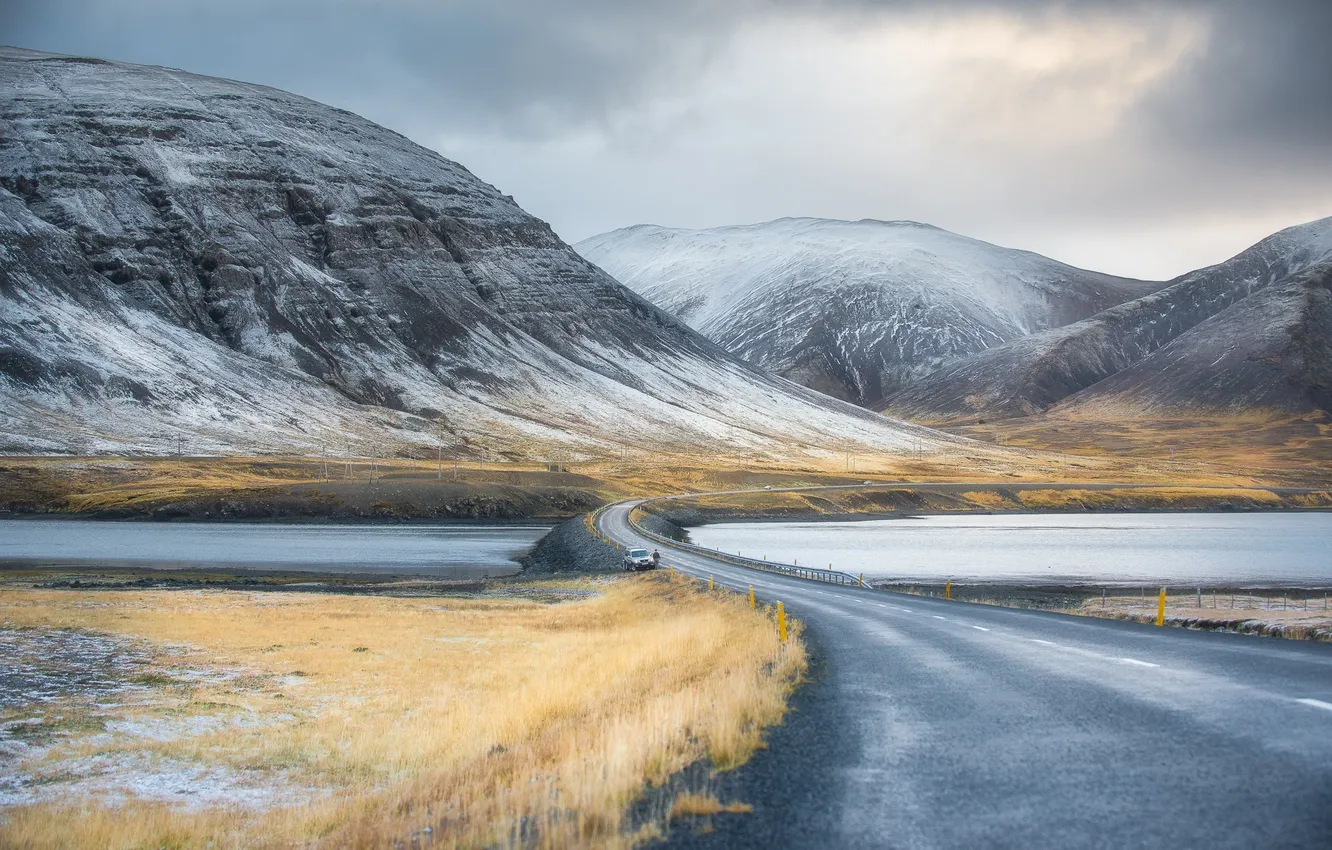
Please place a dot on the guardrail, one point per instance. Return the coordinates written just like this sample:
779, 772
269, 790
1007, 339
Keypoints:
827, 576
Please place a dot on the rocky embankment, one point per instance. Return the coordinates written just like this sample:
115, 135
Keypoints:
570, 548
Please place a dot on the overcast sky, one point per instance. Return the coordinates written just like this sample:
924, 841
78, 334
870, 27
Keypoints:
1143, 139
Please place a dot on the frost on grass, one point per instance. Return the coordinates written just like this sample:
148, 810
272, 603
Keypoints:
80, 714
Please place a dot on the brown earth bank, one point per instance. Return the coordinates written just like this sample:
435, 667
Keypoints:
247, 489
888, 501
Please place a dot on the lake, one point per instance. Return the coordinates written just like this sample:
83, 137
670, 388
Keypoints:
455, 551
1278, 549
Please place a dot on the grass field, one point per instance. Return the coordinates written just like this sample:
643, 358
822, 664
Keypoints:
1256, 447
330, 720
271, 487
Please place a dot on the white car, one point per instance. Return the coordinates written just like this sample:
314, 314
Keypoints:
637, 559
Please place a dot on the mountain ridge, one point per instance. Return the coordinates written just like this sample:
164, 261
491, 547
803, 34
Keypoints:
853, 309
1035, 373
192, 258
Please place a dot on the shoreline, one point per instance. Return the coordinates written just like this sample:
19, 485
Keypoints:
907, 515
296, 519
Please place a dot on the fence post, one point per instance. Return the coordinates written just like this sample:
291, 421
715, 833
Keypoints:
751, 596
1160, 608
948, 590
862, 579
709, 582
781, 622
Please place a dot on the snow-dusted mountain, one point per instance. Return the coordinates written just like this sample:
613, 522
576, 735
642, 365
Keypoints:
852, 309
182, 256
1032, 374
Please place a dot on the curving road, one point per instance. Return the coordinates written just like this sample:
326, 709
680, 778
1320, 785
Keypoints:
941, 724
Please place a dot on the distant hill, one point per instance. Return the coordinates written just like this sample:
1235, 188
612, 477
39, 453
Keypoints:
852, 309
1271, 352
1034, 373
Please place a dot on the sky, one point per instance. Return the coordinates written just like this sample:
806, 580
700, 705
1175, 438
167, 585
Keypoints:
1138, 138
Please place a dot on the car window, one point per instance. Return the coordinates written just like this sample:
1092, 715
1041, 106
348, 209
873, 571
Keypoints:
637, 553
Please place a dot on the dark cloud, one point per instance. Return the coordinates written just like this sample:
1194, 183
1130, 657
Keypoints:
1262, 88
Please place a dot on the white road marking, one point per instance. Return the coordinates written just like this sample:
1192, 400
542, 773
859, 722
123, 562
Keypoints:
1046, 642
909, 610
1316, 703
980, 628
1137, 662
937, 617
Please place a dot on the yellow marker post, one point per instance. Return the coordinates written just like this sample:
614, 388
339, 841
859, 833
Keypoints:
781, 622
751, 597
948, 590
709, 582
1160, 608
862, 579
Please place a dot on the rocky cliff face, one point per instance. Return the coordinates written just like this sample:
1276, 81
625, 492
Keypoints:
852, 309
247, 270
1032, 374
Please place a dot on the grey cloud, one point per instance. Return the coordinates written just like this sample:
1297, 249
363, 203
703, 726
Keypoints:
1251, 110
530, 66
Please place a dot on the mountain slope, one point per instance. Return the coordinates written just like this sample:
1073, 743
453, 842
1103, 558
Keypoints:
1032, 374
187, 257
852, 309
1269, 352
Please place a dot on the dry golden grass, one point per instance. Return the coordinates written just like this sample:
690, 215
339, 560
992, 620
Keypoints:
491, 722
702, 805
1260, 447
990, 500
1146, 498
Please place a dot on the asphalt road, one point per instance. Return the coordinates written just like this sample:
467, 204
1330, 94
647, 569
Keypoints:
942, 724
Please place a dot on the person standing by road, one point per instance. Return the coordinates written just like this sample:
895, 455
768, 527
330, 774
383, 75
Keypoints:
656, 559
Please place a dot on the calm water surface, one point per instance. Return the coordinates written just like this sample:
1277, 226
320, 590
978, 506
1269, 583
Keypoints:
459, 551
1260, 548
